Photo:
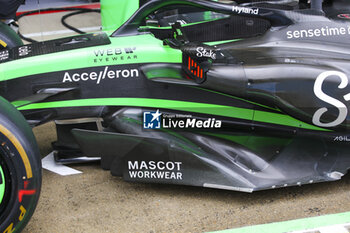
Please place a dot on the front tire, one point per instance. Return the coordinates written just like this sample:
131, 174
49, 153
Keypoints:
20, 170
8, 38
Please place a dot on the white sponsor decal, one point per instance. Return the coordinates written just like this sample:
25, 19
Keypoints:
318, 32
245, 10
155, 170
342, 139
99, 76
343, 111
153, 120
24, 51
115, 54
191, 123
4, 55
202, 52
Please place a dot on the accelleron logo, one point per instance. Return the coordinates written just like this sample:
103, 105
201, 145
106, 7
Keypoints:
99, 76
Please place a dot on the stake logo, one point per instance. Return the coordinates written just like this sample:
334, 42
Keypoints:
343, 111
202, 52
99, 76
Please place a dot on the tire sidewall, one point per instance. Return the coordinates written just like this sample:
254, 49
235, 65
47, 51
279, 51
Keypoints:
9, 37
24, 166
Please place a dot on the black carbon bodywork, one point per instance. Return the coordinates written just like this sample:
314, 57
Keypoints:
213, 159
274, 96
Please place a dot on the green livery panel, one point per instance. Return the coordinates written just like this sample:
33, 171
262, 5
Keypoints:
239, 104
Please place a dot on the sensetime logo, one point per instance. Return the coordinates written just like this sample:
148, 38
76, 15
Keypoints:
157, 120
319, 93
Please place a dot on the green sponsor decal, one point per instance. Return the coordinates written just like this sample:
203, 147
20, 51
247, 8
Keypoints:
212, 109
2, 184
138, 49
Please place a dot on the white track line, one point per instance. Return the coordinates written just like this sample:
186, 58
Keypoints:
49, 163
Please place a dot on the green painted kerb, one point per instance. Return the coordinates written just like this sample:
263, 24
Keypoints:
213, 109
295, 225
2, 185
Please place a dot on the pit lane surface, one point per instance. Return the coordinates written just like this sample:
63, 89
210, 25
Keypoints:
97, 202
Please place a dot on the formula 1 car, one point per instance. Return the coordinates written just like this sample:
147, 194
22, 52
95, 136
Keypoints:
241, 96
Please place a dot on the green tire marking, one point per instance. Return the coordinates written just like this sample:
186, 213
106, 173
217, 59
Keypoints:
2, 185
295, 225
213, 109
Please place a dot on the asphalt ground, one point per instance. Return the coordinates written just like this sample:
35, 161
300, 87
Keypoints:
95, 201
